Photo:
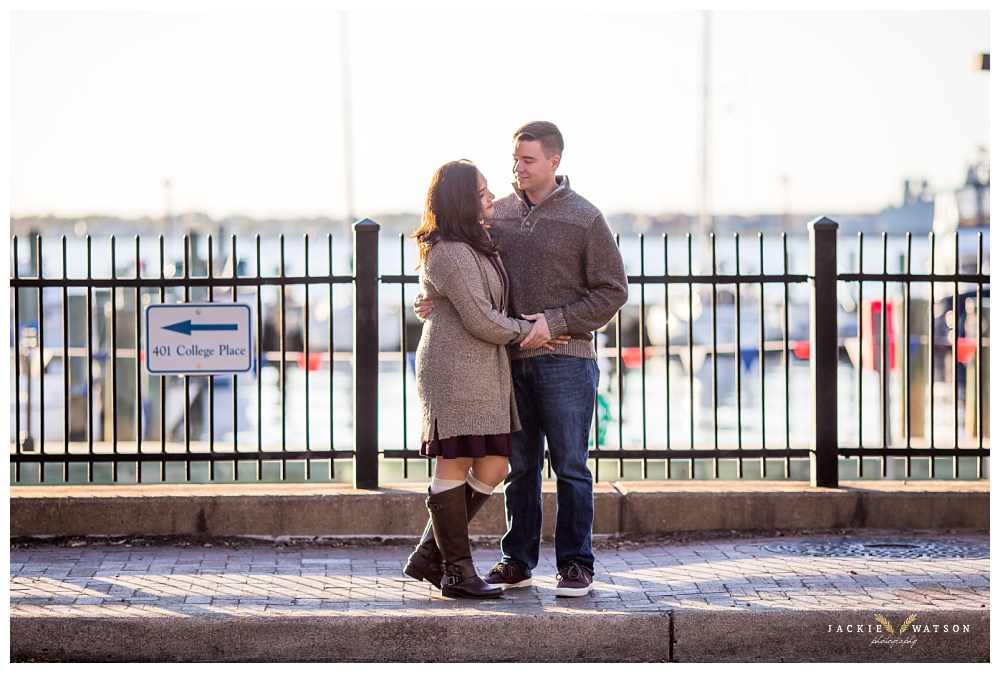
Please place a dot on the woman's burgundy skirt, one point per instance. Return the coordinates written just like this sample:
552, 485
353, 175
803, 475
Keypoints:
467, 446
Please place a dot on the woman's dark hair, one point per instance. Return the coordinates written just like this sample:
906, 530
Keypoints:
453, 211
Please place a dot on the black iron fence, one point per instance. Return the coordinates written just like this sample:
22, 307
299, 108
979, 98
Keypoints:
727, 362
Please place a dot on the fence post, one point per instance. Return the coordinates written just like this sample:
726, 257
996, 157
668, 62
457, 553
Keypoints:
366, 343
823, 350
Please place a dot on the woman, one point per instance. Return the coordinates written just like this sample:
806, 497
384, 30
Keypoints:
463, 375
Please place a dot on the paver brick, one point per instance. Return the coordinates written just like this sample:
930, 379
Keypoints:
256, 578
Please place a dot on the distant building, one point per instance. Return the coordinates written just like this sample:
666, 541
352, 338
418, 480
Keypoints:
966, 212
915, 215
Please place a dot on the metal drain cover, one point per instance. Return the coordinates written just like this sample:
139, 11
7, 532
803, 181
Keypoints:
882, 549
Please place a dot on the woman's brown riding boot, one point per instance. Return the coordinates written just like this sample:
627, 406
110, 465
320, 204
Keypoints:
425, 561
450, 521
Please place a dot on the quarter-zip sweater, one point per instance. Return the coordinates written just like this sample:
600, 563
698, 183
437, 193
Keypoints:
562, 260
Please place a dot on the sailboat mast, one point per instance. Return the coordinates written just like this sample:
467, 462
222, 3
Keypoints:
704, 206
704, 215
345, 83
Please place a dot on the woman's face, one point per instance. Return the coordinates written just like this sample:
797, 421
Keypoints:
485, 196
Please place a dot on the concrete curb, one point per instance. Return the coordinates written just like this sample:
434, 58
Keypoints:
675, 636
776, 636
496, 638
739, 506
621, 508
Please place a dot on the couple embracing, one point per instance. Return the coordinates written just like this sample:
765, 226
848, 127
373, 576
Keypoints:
511, 293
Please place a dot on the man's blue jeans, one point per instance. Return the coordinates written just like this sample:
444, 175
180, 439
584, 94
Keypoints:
555, 400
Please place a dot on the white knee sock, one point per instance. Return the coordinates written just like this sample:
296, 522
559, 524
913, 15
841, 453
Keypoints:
479, 486
438, 485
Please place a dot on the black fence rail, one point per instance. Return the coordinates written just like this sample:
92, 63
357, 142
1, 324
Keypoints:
727, 362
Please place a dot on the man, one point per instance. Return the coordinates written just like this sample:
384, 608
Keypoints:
565, 270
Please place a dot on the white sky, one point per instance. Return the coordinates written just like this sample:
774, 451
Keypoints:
242, 111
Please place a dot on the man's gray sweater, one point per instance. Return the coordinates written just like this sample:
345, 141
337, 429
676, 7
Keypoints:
562, 260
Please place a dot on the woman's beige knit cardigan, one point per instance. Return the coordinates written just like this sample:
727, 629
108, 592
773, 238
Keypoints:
463, 371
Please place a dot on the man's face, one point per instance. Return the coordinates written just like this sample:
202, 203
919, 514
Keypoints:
532, 170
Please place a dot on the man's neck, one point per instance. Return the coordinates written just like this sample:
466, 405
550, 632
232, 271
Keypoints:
536, 197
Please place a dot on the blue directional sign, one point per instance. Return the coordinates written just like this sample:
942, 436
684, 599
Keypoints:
198, 339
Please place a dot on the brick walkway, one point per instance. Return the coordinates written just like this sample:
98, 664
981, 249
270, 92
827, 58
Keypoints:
263, 579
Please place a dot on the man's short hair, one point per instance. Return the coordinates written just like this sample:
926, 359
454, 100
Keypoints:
546, 133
